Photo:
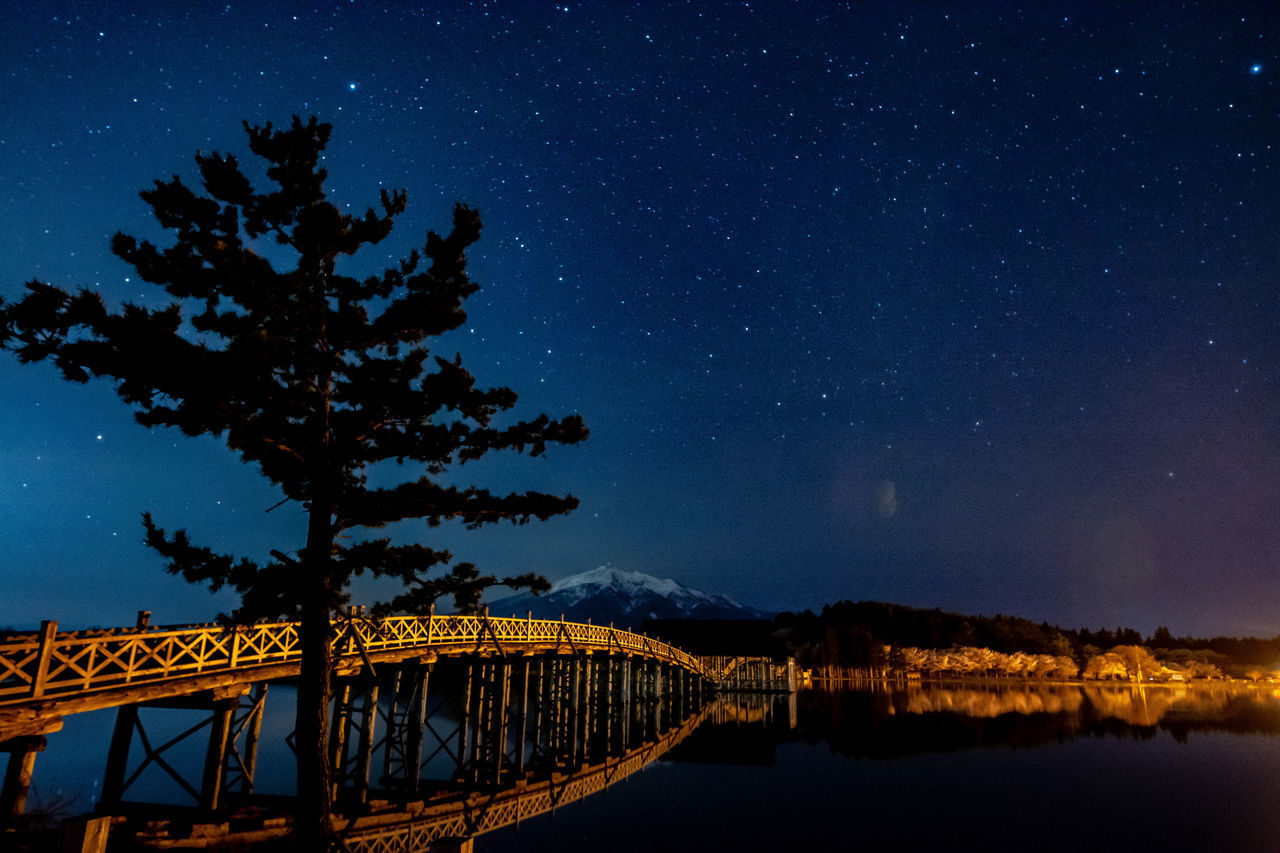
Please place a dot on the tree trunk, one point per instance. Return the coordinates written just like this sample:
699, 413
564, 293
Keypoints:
314, 804
315, 687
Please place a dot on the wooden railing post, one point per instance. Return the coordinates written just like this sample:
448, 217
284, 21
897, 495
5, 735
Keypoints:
48, 636
353, 611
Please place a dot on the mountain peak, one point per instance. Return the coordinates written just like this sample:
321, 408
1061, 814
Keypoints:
610, 576
607, 594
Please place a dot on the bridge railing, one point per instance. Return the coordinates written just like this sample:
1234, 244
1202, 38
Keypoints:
49, 664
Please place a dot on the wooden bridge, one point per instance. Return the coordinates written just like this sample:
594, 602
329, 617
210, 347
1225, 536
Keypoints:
47, 675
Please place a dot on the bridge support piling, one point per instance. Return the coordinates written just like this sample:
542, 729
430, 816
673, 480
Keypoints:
630, 699
552, 711
522, 717
252, 738
611, 664
402, 758
118, 757
501, 719
539, 711
464, 726
471, 734
394, 742
17, 777
364, 747
489, 743
215, 754
339, 727
589, 697
575, 708
240, 765
482, 697
221, 762
484, 748
352, 738
413, 758
657, 695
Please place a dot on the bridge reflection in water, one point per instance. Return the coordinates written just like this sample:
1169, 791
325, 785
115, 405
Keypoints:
499, 742
440, 729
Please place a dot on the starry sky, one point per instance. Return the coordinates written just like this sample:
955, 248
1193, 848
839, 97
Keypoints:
970, 306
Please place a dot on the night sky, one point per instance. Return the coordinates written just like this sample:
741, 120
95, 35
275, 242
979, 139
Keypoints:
966, 306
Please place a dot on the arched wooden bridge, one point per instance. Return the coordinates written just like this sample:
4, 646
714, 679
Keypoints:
48, 674
554, 702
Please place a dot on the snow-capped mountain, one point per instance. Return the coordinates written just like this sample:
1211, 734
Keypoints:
607, 594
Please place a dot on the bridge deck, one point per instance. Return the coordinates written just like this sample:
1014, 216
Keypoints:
48, 674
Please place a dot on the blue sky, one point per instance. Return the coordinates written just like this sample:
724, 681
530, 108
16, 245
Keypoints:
970, 307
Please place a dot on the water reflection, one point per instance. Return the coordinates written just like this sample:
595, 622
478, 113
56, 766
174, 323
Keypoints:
424, 755
1103, 768
424, 824
798, 758
889, 720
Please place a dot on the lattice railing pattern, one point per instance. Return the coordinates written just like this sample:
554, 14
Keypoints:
465, 819
50, 664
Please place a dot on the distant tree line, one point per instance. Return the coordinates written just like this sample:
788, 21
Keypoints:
874, 639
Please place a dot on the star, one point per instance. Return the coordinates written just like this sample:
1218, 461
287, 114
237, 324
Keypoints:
633, 173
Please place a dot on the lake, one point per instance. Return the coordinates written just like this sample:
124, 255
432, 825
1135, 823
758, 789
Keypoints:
955, 767
991, 766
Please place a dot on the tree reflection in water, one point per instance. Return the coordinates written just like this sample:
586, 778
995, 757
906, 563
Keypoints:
891, 720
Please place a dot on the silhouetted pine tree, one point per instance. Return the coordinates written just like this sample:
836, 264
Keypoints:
314, 376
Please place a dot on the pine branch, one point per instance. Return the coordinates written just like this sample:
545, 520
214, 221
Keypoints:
313, 375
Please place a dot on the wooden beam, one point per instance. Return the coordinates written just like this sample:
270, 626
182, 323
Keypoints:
364, 746
17, 777
216, 755
118, 757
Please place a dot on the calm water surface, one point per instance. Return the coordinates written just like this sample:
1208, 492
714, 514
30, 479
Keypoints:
932, 767
919, 767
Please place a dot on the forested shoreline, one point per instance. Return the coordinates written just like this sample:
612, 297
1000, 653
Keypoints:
877, 639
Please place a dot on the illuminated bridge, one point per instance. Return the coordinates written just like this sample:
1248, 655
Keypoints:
422, 705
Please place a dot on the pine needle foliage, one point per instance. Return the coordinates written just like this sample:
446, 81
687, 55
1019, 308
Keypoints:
312, 375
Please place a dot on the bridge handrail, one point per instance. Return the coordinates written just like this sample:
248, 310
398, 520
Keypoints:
49, 664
